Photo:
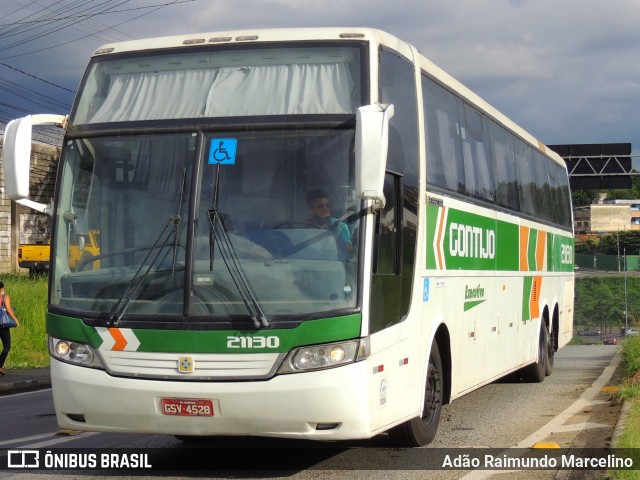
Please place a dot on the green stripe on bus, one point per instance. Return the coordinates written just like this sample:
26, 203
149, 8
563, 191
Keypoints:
527, 284
508, 238
474, 303
550, 240
432, 218
476, 242
70, 328
214, 341
564, 249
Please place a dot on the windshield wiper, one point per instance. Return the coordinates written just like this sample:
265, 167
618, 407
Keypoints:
175, 226
120, 307
230, 257
232, 263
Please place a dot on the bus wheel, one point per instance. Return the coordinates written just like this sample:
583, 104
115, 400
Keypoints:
536, 372
551, 351
422, 430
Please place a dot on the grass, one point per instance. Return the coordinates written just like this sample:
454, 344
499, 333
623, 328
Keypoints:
630, 439
576, 340
629, 391
28, 296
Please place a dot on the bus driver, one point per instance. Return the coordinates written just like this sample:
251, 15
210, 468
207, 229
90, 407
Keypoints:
320, 215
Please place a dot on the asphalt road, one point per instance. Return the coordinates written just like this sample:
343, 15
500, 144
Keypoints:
568, 408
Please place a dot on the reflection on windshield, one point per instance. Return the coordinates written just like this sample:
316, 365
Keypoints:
113, 257
117, 195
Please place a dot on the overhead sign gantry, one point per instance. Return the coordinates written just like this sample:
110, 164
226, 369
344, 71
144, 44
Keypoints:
597, 165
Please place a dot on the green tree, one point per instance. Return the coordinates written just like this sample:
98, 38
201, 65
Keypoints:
590, 245
582, 198
632, 193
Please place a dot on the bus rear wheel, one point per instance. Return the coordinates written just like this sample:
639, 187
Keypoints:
421, 431
551, 351
536, 372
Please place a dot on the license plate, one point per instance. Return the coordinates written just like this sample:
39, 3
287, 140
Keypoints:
187, 407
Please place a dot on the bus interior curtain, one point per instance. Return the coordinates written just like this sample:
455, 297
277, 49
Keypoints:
228, 91
281, 90
155, 95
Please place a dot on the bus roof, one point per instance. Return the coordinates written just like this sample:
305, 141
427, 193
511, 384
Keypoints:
250, 36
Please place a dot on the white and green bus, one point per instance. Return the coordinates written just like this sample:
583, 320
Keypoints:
213, 306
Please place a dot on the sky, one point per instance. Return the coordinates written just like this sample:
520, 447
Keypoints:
567, 71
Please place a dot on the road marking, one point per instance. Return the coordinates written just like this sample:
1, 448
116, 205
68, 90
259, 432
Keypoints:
13, 395
53, 440
558, 422
57, 440
25, 439
576, 427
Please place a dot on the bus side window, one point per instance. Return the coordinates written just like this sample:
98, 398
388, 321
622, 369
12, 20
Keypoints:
386, 248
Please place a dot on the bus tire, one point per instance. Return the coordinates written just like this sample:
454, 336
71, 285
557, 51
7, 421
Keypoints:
421, 431
551, 351
536, 372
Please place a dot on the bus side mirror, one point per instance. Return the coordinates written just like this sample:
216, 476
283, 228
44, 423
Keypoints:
17, 157
372, 143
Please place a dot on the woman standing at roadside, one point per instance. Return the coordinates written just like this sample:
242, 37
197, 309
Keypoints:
5, 332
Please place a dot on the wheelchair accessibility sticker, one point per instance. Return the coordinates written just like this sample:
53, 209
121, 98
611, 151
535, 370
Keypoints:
223, 151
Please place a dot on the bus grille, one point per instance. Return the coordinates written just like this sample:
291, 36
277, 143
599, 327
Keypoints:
206, 367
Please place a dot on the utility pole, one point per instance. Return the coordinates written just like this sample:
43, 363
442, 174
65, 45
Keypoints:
601, 307
618, 241
626, 312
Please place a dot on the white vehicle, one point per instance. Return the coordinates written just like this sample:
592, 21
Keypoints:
214, 307
631, 332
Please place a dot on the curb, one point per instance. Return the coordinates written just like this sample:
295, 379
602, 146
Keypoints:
25, 382
620, 426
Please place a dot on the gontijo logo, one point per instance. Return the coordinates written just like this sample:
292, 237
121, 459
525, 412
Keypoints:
461, 240
471, 242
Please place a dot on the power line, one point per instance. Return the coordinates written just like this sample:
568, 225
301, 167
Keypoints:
87, 15
54, 28
68, 9
32, 96
35, 20
158, 7
37, 78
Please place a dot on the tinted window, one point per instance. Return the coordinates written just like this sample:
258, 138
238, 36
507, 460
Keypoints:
445, 166
472, 155
476, 153
504, 170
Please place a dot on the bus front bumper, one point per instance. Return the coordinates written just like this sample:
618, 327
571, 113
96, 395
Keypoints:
324, 405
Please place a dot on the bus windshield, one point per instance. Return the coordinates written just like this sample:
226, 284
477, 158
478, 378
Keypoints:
139, 236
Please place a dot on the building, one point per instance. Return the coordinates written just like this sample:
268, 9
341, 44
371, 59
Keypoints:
608, 216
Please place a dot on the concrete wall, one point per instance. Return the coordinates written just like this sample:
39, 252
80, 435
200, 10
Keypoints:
607, 218
611, 218
19, 224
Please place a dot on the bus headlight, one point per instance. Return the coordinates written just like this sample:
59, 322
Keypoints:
316, 357
73, 352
